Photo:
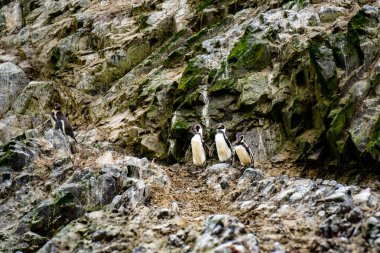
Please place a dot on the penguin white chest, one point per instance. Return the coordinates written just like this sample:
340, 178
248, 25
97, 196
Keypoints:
244, 157
224, 151
199, 154
53, 118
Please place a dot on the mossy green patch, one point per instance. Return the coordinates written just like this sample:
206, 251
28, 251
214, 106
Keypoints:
196, 37
250, 53
374, 146
175, 57
179, 124
336, 132
192, 75
222, 85
204, 4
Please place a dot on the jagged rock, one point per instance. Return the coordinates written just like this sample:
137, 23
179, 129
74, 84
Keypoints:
12, 80
137, 194
330, 13
13, 126
106, 189
34, 240
61, 145
355, 215
116, 203
223, 232
106, 235
50, 215
18, 154
253, 174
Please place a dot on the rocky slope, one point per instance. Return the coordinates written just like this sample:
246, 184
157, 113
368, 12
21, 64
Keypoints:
301, 79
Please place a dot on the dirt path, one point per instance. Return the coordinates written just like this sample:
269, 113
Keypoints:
190, 191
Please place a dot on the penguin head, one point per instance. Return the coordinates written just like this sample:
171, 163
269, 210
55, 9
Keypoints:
221, 126
57, 107
239, 137
197, 129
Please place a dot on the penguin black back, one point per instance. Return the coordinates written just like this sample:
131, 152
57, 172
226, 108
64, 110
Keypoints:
61, 122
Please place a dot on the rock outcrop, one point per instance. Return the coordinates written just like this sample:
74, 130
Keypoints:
301, 79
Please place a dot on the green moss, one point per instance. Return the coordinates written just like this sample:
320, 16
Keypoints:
63, 197
204, 4
374, 146
179, 125
361, 22
336, 132
250, 54
175, 57
197, 37
192, 75
224, 85
7, 157
320, 111
239, 49
152, 112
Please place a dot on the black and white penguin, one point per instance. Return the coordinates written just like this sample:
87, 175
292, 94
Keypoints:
243, 152
223, 145
198, 146
61, 122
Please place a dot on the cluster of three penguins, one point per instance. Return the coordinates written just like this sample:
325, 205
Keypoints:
225, 151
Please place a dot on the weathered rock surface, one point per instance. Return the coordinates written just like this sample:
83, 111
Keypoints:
12, 82
301, 80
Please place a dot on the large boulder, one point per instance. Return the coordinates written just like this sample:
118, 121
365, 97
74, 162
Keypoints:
12, 82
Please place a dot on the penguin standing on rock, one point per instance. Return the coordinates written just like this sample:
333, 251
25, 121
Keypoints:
223, 145
198, 146
243, 152
61, 122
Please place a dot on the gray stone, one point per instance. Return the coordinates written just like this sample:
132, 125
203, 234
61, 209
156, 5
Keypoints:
12, 82
107, 188
330, 13
175, 240
110, 170
32, 133
34, 239
116, 203
223, 231
50, 215
137, 194
253, 174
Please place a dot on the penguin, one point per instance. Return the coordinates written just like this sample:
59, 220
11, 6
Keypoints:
243, 152
198, 146
223, 145
61, 122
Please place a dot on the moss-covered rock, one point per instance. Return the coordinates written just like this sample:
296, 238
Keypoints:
250, 53
221, 86
346, 51
336, 135
51, 215
175, 58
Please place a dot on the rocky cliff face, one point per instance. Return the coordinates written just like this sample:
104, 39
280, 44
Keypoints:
301, 79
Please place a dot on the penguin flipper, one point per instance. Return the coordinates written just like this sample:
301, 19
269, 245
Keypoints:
252, 160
